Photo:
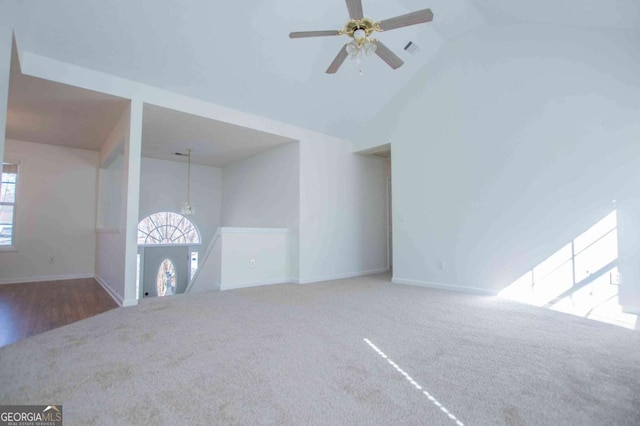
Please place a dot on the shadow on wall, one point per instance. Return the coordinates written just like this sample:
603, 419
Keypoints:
579, 279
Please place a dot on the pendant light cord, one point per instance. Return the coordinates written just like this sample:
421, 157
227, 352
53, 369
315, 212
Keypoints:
188, 174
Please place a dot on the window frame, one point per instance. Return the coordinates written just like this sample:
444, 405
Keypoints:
183, 217
13, 247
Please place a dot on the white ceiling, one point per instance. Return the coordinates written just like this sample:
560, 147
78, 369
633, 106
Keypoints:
588, 14
213, 143
46, 112
238, 54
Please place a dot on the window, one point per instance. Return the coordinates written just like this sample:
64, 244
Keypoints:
167, 228
138, 276
194, 263
8, 203
166, 278
579, 279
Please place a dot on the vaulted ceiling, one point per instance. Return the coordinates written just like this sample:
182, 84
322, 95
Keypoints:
238, 54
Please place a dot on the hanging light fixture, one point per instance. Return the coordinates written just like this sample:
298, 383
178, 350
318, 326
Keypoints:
360, 29
361, 46
187, 208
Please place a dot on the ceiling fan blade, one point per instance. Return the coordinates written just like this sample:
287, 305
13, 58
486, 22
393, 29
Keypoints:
355, 9
388, 56
412, 18
338, 61
303, 34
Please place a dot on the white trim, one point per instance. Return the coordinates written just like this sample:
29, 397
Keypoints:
18, 161
449, 287
375, 149
255, 231
341, 276
247, 284
170, 245
45, 278
115, 296
631, 310
108, 230
130, 302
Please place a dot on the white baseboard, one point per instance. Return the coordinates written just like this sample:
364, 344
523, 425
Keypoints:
341, 276
631, 310
235, 286
450, 287
45, 278
115, 296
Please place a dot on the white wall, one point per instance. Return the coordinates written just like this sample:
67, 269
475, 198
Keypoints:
163, 187
511, 143
110, 244
343, 211
333, 201
117, 248
6, 44
56, 210
629, 246
268, 247
263, 191
110, 189
332, 248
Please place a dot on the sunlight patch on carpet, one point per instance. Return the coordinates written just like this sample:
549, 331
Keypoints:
415, 384
580, 279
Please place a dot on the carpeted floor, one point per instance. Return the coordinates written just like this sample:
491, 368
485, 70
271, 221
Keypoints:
292, 354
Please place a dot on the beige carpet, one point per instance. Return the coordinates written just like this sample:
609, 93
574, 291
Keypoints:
291, 354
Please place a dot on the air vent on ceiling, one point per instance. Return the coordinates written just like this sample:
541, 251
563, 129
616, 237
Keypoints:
412, 48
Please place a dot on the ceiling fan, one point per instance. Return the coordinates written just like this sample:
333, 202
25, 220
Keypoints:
360, 28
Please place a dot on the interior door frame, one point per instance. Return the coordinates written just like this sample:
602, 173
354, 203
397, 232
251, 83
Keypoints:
140, 272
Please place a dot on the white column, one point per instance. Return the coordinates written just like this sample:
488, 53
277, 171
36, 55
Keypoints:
6, 43
133, 152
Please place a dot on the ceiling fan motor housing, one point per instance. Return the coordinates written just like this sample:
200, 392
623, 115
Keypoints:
366, 25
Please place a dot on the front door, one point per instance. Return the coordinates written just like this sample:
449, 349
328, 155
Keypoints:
166, 270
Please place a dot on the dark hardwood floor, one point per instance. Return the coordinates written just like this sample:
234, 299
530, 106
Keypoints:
32, 308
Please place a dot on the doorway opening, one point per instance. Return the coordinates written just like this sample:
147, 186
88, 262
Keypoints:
384, 152
168, 245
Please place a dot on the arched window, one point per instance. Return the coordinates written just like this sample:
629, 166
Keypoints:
167, 228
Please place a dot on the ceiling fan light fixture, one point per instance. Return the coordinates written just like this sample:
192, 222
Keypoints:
187, 209
359, 29
369, 47
359, 34
352, 48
